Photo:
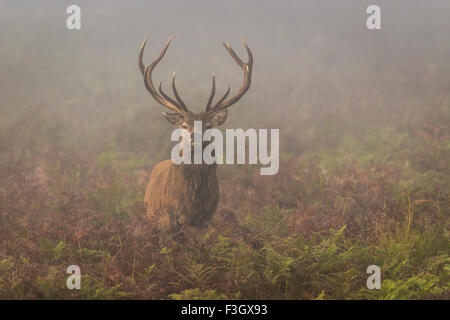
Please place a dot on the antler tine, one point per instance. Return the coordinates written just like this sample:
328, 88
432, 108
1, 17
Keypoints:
224, 96
213, 92
175, 92
247, 69
166, 96
147, 74
141, 53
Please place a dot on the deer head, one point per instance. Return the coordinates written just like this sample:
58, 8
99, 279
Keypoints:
214, 114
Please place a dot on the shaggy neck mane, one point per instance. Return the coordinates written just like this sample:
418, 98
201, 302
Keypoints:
196, 174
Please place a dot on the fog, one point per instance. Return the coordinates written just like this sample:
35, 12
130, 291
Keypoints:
315, 63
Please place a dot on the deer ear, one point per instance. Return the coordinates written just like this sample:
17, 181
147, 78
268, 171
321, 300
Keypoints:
173, 118
219, 118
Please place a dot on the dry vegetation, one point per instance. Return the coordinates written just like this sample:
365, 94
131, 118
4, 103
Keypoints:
308, 232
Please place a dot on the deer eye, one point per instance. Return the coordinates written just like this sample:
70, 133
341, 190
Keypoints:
184, 126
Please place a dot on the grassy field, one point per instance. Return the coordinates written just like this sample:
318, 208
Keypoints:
379, 197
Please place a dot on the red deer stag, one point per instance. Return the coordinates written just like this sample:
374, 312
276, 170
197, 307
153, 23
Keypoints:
187, 194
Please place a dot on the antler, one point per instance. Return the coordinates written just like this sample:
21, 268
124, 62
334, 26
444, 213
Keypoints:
246, 68
163, 99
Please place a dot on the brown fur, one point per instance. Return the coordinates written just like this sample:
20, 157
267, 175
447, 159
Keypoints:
185, 194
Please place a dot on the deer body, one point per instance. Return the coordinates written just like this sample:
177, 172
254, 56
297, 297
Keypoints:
187, 194
182, 194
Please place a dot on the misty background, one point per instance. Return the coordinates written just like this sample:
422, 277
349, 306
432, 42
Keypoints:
319, 73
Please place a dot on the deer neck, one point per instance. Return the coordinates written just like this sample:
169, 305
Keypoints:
197, 169
197, 175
